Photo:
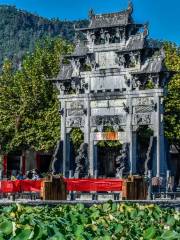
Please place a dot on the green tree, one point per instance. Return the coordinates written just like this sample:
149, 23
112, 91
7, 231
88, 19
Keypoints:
20, 30
29, 104
172, 101
9, 99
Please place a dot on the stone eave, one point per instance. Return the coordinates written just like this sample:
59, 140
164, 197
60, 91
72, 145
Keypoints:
148, 72
111, 26
56, 80
77, 55
129, 50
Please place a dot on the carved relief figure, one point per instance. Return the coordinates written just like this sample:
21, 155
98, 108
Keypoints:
90, 61
107, 39
122, 60
136, 83
88, 35
76, 66
117, 37
81, 161
91, 37
143, 118
75, 121
102, 36
133, 60
108, 120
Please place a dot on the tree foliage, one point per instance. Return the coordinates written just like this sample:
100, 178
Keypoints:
20, 30
172, 101
29, 116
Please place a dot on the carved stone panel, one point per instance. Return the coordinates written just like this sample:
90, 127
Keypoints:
142, 101
75, 105
108, 120
99, 104
108, 103
75, 108
142, 119
75, 112
107, 111
75, 122
117, 103
143, 109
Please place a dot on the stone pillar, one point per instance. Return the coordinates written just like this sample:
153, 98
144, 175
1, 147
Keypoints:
95, 173
134, 152
131, 152
162, 155
129, 130
68, 154
63, 135
158, 138
91, 155
87, 120
87, 126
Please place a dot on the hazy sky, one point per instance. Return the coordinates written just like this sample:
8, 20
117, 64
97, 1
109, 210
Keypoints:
163, 15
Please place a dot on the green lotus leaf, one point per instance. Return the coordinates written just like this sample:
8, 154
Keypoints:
25, 234
170, 235
118, 228
171, 221
6, 227
149, 233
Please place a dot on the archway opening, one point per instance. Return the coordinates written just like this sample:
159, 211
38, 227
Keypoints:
76, 138
145, 143
107, 152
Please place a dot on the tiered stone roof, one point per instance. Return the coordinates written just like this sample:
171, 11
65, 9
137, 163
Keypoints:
65, 72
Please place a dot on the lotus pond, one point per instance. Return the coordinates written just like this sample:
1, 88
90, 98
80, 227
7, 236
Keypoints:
102, 222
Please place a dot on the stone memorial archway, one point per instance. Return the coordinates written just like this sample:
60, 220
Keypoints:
105, 82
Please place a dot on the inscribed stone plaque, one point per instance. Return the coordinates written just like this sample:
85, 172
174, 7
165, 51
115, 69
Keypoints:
106, 59
108, 83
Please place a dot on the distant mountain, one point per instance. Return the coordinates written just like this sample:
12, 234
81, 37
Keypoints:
20, 30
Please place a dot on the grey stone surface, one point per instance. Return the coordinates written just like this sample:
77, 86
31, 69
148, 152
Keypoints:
66, 72
108, 73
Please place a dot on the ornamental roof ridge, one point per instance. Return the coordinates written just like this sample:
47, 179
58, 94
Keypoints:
119, 18
113, 14
129, 10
